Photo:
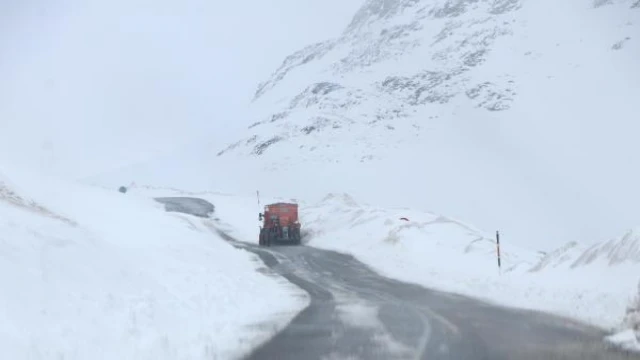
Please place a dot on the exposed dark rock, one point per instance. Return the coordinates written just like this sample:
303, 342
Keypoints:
374, 10
262, 147
599, 3
452, 8
620, 44
422, 88
447, 31
475, 58
504, 6
308, 129
302, 57
324, 88
278, 116
230, 147
488, 96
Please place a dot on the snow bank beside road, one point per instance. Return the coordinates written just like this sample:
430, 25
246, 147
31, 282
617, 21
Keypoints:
442, 253
592, 284
90, 273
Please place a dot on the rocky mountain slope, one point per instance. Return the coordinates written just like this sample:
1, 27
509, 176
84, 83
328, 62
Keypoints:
508, 114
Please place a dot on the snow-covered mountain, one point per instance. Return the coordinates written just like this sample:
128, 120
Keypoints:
517, 115
623, 250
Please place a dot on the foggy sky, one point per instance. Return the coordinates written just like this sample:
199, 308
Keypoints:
88, 86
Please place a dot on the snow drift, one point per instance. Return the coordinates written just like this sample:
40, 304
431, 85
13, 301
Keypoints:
446, 254
90, 273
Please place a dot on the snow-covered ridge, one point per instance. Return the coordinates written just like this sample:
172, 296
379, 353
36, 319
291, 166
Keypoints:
9, 194
397, 55
621, 250
376, 36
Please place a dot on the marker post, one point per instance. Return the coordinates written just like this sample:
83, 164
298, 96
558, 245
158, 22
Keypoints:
498, 251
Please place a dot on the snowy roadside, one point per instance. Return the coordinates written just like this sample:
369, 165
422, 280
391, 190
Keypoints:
593, 285
91, 273
441, 253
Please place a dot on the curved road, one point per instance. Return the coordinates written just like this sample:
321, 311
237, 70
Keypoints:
355, 313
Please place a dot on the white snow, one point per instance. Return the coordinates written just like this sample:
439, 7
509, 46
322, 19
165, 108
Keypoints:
439, 252
555, 166
629, 337
553, 170
626, 340
92, 273
595, 285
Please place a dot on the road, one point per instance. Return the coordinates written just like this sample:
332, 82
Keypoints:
354, 313
189, 205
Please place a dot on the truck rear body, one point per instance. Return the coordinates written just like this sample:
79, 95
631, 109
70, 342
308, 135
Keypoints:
280, 224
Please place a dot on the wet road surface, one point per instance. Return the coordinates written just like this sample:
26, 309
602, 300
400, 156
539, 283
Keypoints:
355, 313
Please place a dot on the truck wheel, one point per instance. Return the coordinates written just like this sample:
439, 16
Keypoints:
297, 237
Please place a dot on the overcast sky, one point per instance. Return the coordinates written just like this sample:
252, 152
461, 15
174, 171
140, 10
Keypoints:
90, 85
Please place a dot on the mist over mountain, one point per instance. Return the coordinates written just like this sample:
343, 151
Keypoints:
513, 115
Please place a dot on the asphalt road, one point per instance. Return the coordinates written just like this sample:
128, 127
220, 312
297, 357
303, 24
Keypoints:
355, 313
189, 205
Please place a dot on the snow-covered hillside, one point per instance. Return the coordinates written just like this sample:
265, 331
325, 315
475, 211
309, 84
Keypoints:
444, 253
90, 273
516, 115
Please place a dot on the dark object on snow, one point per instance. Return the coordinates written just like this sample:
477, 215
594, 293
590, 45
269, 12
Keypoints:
404, 219
123, 189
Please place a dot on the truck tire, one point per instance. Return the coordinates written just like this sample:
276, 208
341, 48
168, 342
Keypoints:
261, 237
296, 236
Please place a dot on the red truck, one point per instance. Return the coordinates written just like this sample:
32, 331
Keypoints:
280, 224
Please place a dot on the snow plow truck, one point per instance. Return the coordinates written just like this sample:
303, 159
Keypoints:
280, 224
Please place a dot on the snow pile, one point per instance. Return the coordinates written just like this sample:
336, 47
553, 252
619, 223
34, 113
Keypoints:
592, 284
442, 253
91, 273
629, 336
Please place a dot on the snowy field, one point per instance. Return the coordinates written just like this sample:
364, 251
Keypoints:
593, 285
89, 273
439, 252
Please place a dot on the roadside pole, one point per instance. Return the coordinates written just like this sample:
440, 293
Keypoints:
258, 195
498, 251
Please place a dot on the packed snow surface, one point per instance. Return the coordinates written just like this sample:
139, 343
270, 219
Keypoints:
88, 273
